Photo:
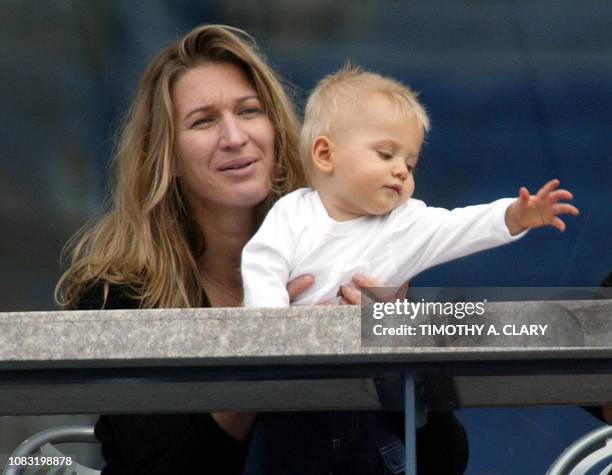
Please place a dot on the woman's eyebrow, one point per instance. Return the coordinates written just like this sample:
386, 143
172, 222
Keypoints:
209, 107
246, 98
198, 109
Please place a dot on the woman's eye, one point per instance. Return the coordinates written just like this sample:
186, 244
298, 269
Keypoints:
249, 111
203, 121
384, 154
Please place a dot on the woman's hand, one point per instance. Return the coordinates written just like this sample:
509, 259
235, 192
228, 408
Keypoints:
239, 424
236, 424
299, 285
351, 293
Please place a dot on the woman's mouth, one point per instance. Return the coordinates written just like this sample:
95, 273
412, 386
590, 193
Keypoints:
238, 166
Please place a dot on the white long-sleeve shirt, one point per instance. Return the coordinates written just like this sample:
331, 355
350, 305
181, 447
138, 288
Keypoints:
298, 237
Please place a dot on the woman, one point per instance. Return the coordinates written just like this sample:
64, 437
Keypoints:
209, 145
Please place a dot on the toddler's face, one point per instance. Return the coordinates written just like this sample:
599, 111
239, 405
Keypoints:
374, 155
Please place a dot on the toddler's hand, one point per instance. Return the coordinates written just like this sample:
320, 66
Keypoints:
530, 211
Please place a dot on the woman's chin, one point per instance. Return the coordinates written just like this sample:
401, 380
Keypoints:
247, 195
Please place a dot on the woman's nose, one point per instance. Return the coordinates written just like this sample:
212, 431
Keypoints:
232, 134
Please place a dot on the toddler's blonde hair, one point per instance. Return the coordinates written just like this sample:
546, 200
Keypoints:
343, 91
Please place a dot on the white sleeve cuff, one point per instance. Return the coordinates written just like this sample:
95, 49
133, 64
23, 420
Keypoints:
501, 206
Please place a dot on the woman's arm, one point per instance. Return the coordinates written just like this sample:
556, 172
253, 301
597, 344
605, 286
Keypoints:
160, 444
237, 424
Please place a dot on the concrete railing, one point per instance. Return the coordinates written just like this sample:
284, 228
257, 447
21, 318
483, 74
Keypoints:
297, 358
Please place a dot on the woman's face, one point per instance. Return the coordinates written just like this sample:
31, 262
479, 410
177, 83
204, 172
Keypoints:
225, 140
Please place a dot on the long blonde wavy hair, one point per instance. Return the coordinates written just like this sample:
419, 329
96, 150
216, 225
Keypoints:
148, 240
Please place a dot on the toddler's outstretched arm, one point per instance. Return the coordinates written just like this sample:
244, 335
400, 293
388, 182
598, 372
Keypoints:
542, 209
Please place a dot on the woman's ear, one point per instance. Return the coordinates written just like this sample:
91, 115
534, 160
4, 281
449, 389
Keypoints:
322, 154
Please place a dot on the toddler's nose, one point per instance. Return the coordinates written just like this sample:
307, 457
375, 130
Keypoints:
400, 171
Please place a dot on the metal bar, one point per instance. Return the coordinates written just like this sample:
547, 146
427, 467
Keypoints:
410, 422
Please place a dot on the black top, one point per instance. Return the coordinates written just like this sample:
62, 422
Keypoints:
160, 444
156, 444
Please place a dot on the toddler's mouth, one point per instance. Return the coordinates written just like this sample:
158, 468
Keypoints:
396, 188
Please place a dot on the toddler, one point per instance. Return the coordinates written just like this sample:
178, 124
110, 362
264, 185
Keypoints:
360, 144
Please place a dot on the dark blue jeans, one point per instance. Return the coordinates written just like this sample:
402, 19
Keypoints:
317, 443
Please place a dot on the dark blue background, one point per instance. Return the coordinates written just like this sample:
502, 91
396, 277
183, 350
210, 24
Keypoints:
519, 92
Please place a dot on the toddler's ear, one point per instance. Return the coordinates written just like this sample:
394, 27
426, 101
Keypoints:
321, 154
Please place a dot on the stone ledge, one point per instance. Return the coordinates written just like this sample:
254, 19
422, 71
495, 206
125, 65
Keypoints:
253, 336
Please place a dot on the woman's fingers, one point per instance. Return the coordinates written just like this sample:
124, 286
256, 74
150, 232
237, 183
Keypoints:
299, 285
403, 290
350, 295
361, 281
365, 287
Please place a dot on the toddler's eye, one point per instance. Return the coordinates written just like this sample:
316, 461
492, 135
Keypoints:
384, 154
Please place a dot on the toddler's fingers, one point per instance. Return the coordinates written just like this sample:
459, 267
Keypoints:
558, 223
548, 187
524, 196
565, 208
559, 195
